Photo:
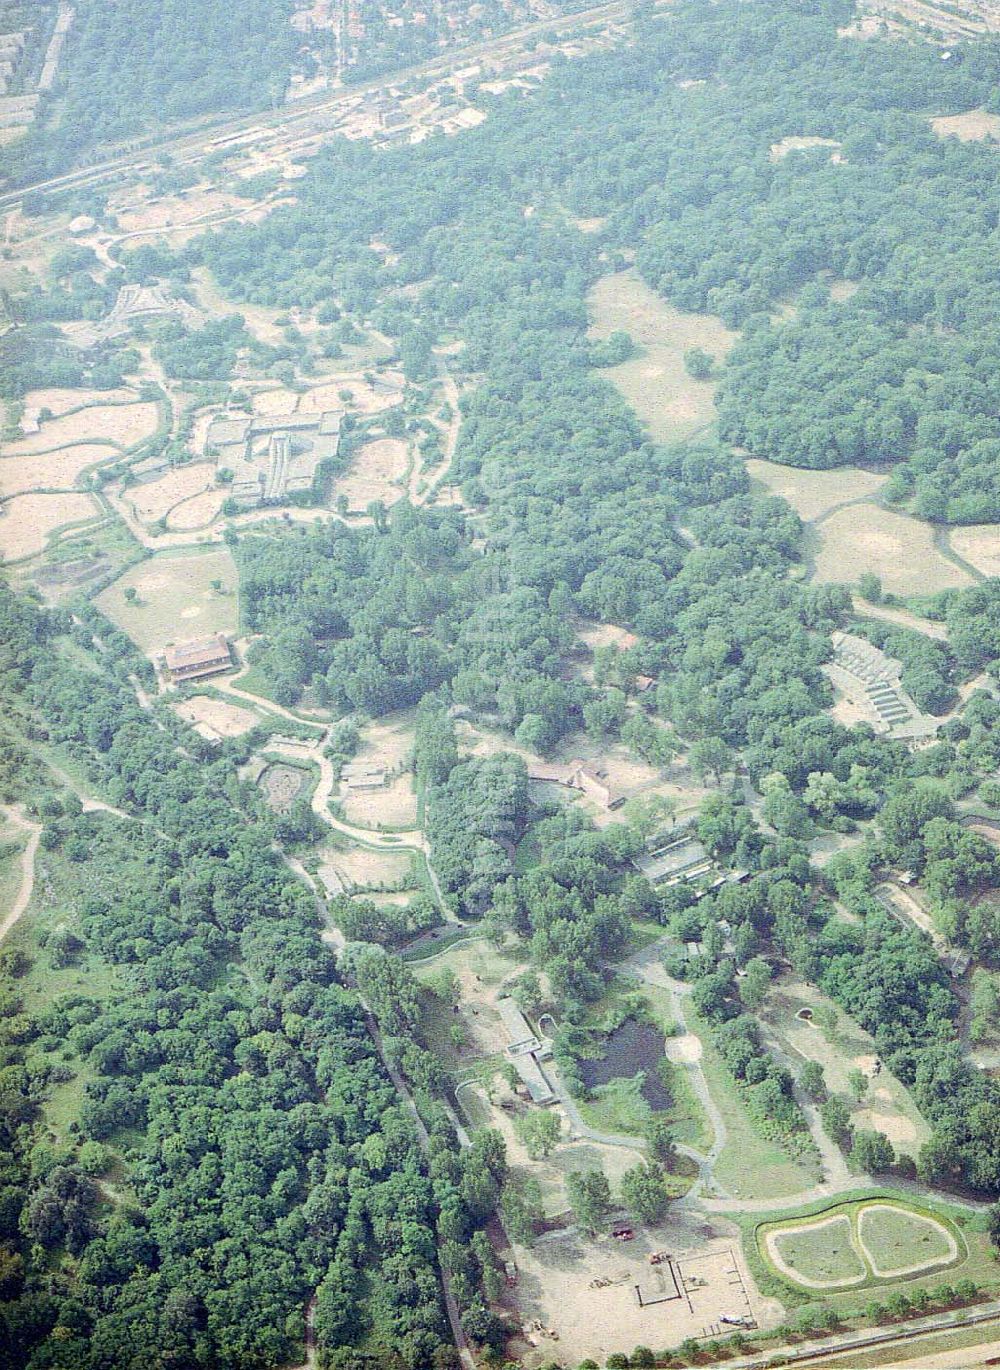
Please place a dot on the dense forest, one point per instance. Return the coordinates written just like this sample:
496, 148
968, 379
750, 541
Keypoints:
230, 1067
245, 1077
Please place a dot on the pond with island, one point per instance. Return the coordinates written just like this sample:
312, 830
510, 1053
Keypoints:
628, 1049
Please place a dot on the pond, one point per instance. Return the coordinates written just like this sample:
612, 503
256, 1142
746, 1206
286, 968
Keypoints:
632, 1047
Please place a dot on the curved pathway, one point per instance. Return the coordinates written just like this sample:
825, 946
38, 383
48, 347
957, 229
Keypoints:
23, 896
648, 967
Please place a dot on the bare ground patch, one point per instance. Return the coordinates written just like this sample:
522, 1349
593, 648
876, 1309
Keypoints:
58, 399
170, 210
393, 807
373, 474
363, 399
366, 866
121, 424
27, 521
153, 499
898, 549
51, 470
197, 512
220, 717
555, 1288
813, 493
974, 126
979, 545
388, 742
798, 143
275, 403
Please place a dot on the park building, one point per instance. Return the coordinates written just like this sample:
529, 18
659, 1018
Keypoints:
274, 459
202, 657
525, 1051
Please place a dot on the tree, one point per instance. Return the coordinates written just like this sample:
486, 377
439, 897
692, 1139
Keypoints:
540, 1131
870, 587
836, 1118
857, 1083
710, 755
872, 1150
699, 364
754, 982
589, 1196
811, 1080
660, 1136
644, 1194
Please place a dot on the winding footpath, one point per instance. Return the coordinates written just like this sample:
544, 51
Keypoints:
23, 896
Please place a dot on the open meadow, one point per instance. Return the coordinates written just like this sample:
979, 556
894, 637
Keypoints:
654, 382
814, 493
121, 424
897, 548
175, 598
27, 522
51, 470
979, 545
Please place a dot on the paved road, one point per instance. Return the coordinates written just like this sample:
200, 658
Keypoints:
859, 1341
313, 108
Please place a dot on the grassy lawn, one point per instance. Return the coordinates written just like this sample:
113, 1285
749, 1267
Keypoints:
887, 1105
175, 598
975, 1261
654, 380
822, 1252
895, 1239
749, 1166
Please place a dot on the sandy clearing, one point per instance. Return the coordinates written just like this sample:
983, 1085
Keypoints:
122, 424
224, 719
372, 474
363, 398
393, 807
974, 126
842, 290
797, 143
27, 521
898, 549
59, 400
979, 545
50, 470
275, 402
197, 512
152, 500
812, 493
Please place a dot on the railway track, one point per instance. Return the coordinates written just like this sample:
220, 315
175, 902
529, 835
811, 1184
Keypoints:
235, 132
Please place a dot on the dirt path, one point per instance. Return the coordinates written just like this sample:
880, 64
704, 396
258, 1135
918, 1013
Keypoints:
684, 1049
23, 896
903, 618
835, 1171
